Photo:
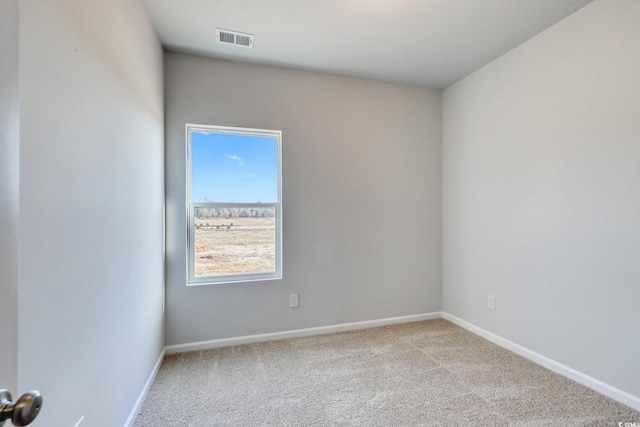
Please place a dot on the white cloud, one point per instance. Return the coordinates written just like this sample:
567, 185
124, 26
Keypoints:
236, 158
249, 175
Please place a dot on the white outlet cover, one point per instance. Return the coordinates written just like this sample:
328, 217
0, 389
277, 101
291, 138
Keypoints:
293, 300
491, 301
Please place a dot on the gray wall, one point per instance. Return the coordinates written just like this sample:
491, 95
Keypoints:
9, 200
91, 203
361, 197
541, 194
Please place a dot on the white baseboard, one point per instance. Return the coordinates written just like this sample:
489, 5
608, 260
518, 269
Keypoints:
557, 367
250, 339
145, 390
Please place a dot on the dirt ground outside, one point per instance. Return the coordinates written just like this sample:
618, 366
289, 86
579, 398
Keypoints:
234, 246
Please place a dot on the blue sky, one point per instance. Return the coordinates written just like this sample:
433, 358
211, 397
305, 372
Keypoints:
233, 168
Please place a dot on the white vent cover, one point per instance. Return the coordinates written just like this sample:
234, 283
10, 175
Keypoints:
234, 38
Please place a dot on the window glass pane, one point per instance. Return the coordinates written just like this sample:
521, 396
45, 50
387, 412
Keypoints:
233, 168
234, 241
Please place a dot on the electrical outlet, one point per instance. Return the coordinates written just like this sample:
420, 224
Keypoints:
293, 300
491, 301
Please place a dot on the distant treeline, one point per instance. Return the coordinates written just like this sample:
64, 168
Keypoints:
207, 213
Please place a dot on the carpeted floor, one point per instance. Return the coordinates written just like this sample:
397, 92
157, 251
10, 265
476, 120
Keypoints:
430, 373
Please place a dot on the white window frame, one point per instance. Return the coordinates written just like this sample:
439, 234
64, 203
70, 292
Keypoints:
191, 207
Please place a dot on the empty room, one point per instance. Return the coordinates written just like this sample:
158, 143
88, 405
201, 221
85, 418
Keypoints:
319, 213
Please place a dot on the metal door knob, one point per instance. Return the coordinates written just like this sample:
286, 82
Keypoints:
24, 411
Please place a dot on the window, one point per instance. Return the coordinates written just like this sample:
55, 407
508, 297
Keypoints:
234, 204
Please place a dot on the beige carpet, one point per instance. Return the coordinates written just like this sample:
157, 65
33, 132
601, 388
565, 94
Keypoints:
430, 373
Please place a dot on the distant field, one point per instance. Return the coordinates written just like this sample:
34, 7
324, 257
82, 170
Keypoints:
234, 246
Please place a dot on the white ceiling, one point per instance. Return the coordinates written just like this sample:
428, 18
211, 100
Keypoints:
430, 43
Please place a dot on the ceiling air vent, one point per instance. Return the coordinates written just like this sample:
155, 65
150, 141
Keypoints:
234, 38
